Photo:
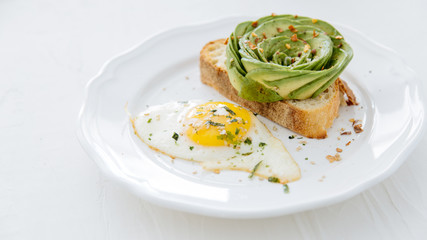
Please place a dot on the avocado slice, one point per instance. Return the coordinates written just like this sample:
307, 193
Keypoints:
285, 57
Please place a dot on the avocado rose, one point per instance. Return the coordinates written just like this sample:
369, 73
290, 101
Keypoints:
285, 57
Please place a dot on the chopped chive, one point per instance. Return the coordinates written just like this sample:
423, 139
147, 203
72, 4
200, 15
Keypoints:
247, 154
255, 168
248, 141
229, 110
149, 120
306, 158
273, 179
191, 148
237, 131
175, 136
228, 136
216, 124
292, 137
286, 188
234, 120
262, 144
213, 110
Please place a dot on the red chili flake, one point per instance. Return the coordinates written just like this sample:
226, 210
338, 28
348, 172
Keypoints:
339, 45
348, 143
226, 41
292, 29
299, 54
296, 16
254, 24
273, 14
354, 122
294, 38
292, 60
251, 45
279, 30
315, 34
358, 128
313, 51
346, 133
264, 35
331, 158
256, 40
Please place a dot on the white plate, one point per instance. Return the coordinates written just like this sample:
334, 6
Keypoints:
165, 68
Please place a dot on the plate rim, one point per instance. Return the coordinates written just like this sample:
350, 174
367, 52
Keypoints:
83, 132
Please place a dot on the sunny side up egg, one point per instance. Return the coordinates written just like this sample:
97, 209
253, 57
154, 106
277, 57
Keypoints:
218, 135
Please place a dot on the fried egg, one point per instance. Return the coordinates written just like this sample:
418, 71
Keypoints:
218, 135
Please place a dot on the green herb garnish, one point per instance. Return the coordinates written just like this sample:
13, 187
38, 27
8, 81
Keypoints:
286, 188
248, 141
255, 168
175, 136
273, 179
216, 124
306, 158
261, 144
234, 120
247, 154
191, 148
229, 137
149, 120
292, 137
237, 131
229, 110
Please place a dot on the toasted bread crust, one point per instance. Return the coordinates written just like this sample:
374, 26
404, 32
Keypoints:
312, 123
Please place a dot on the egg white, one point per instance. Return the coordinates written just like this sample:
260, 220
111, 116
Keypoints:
265, 156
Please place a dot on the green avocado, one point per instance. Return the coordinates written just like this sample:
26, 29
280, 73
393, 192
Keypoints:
285, 57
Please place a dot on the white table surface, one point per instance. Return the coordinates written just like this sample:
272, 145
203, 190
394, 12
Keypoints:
50, 188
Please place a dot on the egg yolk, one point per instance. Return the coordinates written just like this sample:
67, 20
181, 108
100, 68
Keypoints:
217, 124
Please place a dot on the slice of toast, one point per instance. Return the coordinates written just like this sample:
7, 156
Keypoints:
310, 117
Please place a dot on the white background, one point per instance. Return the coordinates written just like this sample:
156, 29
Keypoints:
50, 188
